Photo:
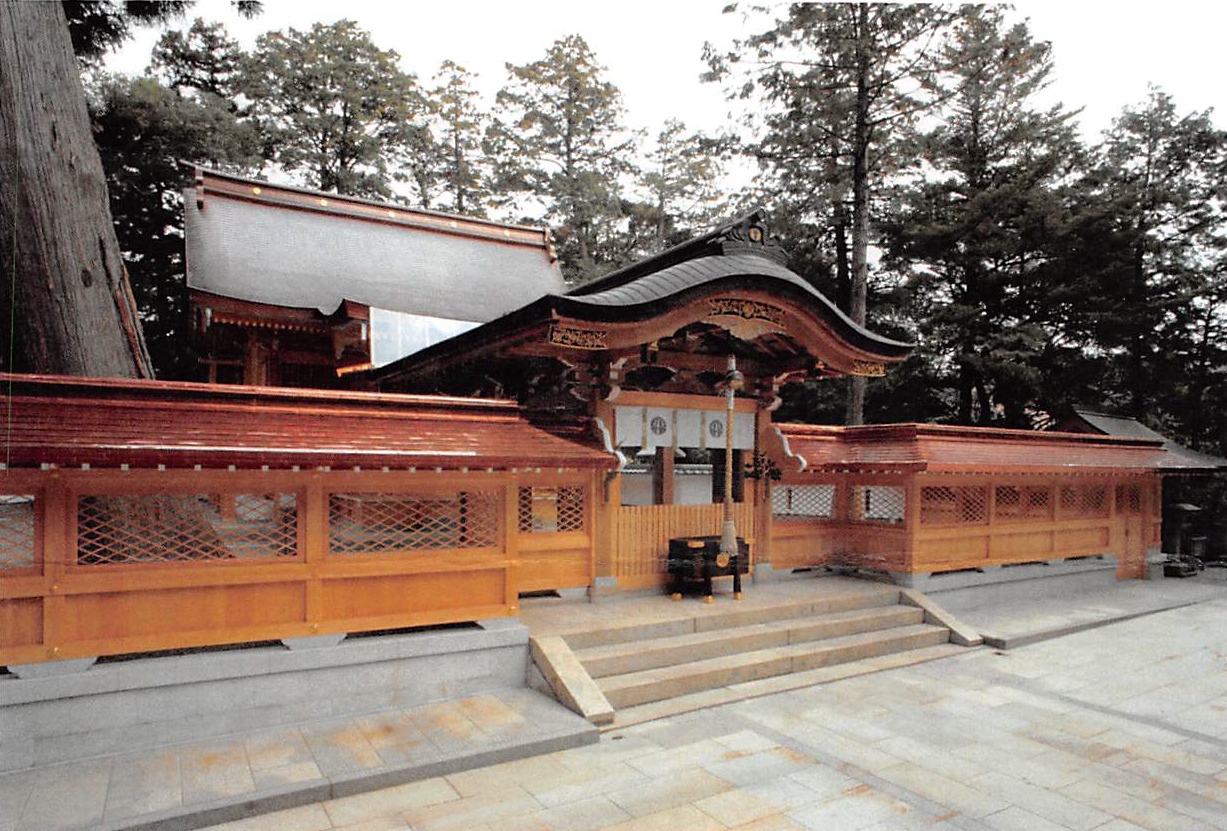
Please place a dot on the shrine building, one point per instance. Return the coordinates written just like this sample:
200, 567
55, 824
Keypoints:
412, 421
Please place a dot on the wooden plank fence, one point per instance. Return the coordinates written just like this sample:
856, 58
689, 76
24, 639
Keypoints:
643, 534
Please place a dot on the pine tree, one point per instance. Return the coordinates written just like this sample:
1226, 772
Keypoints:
980, 229
1157, 276
840, 83
460, 168
559, 139
680, 176
335, 106
204, 60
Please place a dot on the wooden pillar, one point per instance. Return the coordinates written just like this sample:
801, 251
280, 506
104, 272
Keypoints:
59, 550
607, 499
911, 522
717, 476
760, 552
662, 476
511, 541
739, 476
313, 539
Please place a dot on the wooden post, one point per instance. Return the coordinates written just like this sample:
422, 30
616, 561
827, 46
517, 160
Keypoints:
763, 519
662, 476
313, 537
59, 549
607, 499
511, 541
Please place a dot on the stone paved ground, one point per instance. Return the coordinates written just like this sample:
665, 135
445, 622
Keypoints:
194, 777
1025, 619
1113, 729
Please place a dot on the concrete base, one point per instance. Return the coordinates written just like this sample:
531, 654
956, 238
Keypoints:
992, 584
603, 587
134, 705
767, 573
313, 641
52, 669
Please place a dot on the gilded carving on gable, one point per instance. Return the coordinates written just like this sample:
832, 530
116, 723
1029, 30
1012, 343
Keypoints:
577, 338
868, 369
746, 309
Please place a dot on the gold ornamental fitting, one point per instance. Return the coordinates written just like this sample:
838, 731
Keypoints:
722, 560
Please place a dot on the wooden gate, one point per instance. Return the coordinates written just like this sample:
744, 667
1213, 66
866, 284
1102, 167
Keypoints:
643, 534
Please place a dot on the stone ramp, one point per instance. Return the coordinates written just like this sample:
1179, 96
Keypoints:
186, 786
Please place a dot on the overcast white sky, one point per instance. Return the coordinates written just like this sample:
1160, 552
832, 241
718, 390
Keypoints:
1105, 52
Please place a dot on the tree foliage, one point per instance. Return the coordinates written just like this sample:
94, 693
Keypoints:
681, 179
335, 105
143, 130
559, 139
841, 84
902, 150
1155, 285
460, 170
98, 26
204, 60
980, 225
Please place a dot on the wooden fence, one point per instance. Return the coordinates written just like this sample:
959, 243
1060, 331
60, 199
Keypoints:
932, 523
643, 533
109, 562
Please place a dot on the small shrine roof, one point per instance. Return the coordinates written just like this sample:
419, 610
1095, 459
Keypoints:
109, 422
1114, 425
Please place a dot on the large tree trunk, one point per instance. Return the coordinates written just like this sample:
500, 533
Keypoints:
854, 412
66, 293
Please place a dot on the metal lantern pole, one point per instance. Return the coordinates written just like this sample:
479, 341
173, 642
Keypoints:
732, 382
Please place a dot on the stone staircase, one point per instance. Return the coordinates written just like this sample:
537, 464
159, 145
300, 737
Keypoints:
651, 669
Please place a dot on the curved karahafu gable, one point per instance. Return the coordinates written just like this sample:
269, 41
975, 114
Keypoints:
730, 281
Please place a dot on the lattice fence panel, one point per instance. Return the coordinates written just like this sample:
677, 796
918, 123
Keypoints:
803, 501
1019, 503
946, 505
180, 528
16, 531
1084, 501
378, 523
878, 503
545, 510
1128, 499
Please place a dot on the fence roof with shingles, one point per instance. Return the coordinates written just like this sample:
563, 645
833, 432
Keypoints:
108, 422
953, 449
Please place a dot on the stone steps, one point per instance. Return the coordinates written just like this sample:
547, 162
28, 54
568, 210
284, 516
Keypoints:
626, 668
670, 707
636, 656
712, 619
645, 686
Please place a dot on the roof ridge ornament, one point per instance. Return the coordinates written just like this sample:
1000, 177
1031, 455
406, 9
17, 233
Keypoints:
751, 235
